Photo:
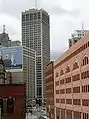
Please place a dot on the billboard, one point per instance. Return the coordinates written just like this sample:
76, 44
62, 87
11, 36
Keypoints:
12, 57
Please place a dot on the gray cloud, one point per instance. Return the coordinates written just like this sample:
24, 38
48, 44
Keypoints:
57, 10
15, 7
62, 21
55, 55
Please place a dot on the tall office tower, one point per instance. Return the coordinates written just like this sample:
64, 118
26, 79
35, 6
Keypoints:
36, 35
76, 36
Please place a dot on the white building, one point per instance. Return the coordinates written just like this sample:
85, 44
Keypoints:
36, 35
77, 35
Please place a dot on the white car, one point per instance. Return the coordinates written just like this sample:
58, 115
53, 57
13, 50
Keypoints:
44, 117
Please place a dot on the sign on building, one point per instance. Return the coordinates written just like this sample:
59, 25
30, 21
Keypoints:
12, 57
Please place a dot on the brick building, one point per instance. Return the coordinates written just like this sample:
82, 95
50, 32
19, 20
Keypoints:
13, 101
71, 82
49, 78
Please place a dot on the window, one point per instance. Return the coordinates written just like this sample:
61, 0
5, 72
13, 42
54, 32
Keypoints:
39, 91
68, 101
76, 90
57, 91
61, 72
76, 77
85, 61
27, 17
85, 102
62, 81
77, 115
76, 102
85, 116
62, 91
57, 83
67, 69
57, 74
57, 100
75, 66
68, 80
35, 15
62, 100
31, 16
39, 16
85, 88
23, 17
85, 75
10, 105
57, 117
68, 90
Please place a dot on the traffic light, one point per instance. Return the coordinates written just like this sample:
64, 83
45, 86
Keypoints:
10, 105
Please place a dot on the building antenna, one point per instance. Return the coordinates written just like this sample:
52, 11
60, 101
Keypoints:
82, 25
4, 29
35, 3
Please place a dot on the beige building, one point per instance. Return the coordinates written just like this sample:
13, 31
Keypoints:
71, 73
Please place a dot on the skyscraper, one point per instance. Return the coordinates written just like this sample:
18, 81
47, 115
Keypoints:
76, 36
36, 35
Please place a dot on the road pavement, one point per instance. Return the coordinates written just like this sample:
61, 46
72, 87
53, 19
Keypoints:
36, 113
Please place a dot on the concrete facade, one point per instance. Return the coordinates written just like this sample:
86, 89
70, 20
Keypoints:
71, 71
36, 35
76, 36
4, 39
14, 43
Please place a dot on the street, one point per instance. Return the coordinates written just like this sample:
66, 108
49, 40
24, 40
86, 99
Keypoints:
36, 113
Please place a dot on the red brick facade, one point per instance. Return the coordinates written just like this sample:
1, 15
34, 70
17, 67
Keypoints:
17, 93
71, 82
49, 78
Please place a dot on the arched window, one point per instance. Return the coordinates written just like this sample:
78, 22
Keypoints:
61, 72
85, 60
67, 69
75, 66
57, 74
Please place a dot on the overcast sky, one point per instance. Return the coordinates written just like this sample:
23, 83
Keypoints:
65, 17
